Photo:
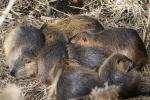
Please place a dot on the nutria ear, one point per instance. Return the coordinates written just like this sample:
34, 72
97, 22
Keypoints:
125, 65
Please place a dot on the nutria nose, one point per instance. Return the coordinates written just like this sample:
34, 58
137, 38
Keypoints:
13, 73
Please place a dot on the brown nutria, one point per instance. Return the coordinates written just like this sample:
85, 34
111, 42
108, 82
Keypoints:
124, 41
78, 81
72, 25
21, 47
51, 56
118, 40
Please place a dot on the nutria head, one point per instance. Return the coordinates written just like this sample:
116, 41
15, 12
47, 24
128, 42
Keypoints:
21, 48
120, 70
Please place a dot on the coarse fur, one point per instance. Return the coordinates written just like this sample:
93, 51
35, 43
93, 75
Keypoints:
124, 41
116, 40
73, 25
84, 50
51, 56
77, 81
21, 47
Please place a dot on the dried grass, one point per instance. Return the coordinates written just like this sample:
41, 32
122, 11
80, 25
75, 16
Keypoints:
111, 13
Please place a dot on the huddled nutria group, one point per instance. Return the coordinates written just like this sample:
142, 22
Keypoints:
88, 55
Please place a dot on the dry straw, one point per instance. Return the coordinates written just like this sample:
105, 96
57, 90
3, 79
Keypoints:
111, 13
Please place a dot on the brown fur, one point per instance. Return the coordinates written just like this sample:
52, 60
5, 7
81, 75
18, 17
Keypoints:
51, 56
86, 51
21, 47
126, 42
119, 70
77, 81
116, 40
73, 25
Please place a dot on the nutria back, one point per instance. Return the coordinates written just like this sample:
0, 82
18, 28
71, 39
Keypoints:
124, 41
73, 25
116, 40
76, 81
90, 57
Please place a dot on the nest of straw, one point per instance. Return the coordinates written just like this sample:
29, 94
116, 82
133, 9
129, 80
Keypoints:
111, 13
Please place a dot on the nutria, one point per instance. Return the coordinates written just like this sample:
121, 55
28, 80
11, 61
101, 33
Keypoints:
72, 25
51, 56
117, 69
121, 40
21, 47
125, 41
76, 81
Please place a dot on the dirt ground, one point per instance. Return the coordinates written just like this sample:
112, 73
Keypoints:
135, 15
